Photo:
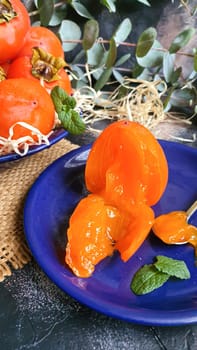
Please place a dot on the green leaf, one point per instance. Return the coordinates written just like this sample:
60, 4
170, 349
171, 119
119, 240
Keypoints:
183, 98
69, 31
118, 76
145, 42
147, 279
168, 66
72, 122
91, 31
109, 4
123, 59
153, 58
103, 79
195, 62
181, 40
64, 106
96, 56
46, 9
145, 2
80, 9
173, 267
59, 13
123, 31
112, 54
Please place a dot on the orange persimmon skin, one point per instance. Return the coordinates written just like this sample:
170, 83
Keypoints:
21, 67
127, 154
126, 172
44, 38
25, 100
13, 32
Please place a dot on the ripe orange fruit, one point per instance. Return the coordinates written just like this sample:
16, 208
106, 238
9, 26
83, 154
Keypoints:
15, 23
97, 229
44, 38
21, 67
25, 100
126, 172
128, 163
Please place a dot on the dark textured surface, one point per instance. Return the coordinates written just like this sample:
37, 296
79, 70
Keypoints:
35, 314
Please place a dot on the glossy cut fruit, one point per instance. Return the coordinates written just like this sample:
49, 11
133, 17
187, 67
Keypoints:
13, 31
25, 100
173, 228
128, 161
21, 67
41, 37
97, 229
126, 172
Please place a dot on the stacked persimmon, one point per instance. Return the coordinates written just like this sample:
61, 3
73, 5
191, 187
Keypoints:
126, 173
31, 64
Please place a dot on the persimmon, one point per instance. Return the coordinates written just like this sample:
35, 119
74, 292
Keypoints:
97, 229
44, 38
14, 25
126, 172
128, 161
23, 67
25, 100
173, 228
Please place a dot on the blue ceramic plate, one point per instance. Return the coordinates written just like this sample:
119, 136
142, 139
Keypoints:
49, 204
56, 136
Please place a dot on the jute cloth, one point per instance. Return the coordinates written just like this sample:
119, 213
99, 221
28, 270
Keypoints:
16, 179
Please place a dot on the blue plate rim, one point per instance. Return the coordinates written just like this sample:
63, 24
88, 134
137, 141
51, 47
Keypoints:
152, 317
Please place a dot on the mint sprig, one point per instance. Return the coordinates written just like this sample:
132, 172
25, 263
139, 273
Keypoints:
68, 116
153, 276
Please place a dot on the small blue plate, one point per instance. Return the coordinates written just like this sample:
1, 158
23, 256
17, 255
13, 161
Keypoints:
56, 136
48, 206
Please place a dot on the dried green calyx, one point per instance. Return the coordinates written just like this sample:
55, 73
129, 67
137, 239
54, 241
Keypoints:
7, 12
45, 65
2, 74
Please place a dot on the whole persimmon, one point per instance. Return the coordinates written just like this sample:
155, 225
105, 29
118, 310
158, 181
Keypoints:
44, 38
14, 24
23, 67
25, 100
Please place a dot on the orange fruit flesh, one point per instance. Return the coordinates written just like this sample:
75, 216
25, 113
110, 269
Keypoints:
126, 172
136, 153
96, 229
172, 228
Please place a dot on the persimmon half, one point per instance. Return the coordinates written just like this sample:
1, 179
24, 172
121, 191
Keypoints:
126, 173
25, 100
128, 163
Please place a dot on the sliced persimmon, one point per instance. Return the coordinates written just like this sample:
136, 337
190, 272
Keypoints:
126, 172
97, 228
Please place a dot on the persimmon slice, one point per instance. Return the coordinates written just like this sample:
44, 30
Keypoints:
96, 229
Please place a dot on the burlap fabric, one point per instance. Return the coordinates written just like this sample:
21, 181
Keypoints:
16, 179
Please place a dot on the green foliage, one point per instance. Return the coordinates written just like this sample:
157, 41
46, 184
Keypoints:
153, 276
145, 58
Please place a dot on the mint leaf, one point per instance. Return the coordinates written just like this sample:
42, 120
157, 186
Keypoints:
72, 122
64, 106
147, 279
173, 267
